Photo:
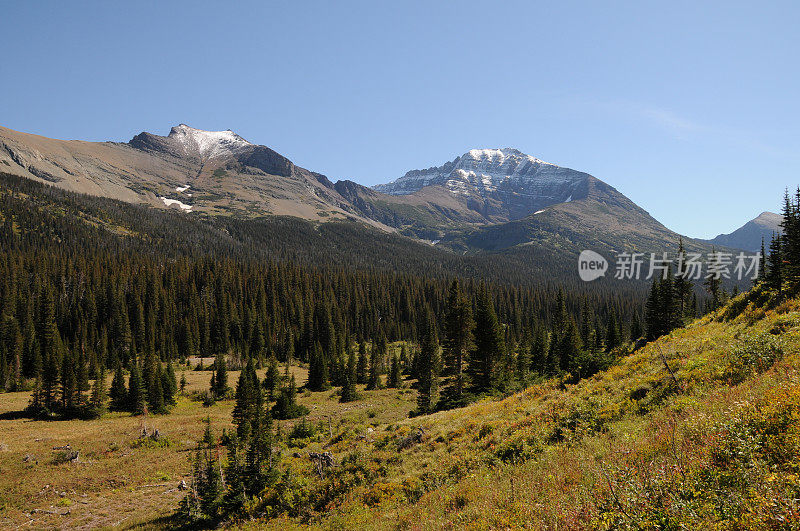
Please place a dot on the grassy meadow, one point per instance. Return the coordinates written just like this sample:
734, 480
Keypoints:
119, 482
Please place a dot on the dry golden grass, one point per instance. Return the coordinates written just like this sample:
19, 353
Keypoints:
116, 484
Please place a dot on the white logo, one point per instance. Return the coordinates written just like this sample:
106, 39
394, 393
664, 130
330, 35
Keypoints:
591, 265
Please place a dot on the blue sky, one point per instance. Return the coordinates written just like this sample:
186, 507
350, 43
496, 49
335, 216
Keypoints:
691, 109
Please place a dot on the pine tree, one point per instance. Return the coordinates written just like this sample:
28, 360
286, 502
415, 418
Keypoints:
394, 380
155, 393
523, 359
235, 476
457, 340
489, 346
208, 440
98, 398
12, 343
508, 365
318, 379
81, 376
404, 361
613, 336
118, 392
136, 391
3, 368
561, 315
349, 393
775, 277
671, 316
570, 348
69, 383
713, 285
586, 322
593, 345
413, 369
362, 366
553, 363
51, 352
248, 399
271, 378
538, 352
374, 379
636, 327
260, 469
286, 407
681, 285
210, 486
15, 356
428, 384
169, 385
220, 389
652, 313
790, 238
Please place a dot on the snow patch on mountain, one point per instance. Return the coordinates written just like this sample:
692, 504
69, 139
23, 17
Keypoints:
207, 144
499, 156
170, 202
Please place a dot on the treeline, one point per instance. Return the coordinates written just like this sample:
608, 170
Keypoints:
673, 299
782, 272
43, 214
466, 351
99, 310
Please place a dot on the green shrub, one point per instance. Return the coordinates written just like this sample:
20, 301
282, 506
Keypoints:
752, 355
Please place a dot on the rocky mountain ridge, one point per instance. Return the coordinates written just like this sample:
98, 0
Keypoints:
484, 200
750, 235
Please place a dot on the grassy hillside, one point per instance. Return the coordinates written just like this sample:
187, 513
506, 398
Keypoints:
696, 430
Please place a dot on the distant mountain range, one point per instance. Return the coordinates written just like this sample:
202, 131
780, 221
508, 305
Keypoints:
486, 200
750, 235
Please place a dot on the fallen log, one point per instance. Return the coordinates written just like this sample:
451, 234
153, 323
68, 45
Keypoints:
45, 511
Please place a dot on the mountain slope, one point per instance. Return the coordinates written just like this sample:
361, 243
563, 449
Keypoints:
51, 216
219, 172
603, 220
487, 200
750, 235
205, 171
499, 184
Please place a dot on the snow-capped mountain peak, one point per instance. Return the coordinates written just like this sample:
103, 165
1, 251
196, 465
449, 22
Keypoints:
485, 171
207, 144
500, 156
